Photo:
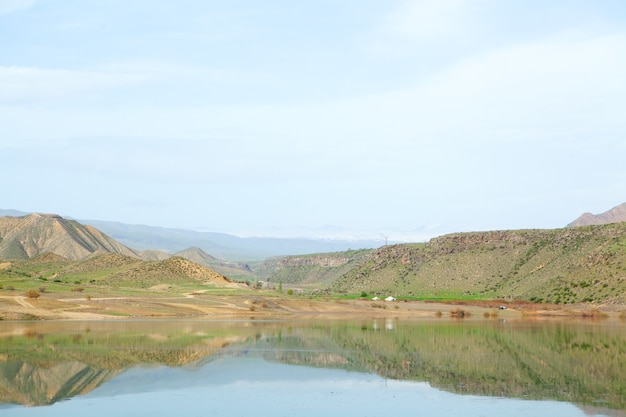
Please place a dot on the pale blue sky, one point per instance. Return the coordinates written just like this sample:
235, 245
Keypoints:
404, 118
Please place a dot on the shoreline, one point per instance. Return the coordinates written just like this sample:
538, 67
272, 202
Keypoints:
270, 306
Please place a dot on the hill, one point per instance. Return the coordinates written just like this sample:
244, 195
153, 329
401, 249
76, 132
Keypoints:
314, 270
28, 236
233, 270
109, 270
171, 270
615, 215
583, 264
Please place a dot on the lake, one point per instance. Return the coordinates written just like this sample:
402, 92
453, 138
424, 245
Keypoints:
360, 368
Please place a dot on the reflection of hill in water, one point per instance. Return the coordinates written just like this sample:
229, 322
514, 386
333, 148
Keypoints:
582, 364
41, 365
26, 384
579, 364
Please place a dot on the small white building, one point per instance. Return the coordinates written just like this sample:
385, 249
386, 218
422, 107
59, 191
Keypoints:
390, 298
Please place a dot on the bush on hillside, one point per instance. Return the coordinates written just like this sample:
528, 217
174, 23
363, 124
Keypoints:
31, 294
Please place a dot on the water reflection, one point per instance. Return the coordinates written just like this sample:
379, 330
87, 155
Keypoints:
108, 363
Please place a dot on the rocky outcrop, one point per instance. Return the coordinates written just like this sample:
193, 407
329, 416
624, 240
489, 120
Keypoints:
319, 260
310, 269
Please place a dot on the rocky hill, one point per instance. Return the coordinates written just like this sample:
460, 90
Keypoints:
583, 264
28, 236
615, 215
310, 270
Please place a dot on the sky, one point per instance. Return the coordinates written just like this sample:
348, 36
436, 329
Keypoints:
399, 118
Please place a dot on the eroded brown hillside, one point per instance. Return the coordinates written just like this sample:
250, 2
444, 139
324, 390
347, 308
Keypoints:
28, 236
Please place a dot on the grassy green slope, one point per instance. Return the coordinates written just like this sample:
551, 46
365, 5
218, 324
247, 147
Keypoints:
557, 266
105, 271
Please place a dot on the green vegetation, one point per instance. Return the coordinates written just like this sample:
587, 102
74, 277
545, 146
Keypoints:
562, 266
110, 269
110, 274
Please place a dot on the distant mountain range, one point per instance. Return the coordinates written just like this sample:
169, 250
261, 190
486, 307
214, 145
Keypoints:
219, 245
74, 239
615, 215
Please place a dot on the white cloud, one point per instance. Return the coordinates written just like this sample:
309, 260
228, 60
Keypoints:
552, 82
28, 83
183, 82
12, 6
559, 84
425, 19
553, 86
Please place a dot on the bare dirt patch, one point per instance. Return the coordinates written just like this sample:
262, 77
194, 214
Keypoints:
161, 304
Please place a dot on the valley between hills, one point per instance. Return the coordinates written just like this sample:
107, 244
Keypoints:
55, 268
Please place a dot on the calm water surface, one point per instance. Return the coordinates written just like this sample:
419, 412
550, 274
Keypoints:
284, 368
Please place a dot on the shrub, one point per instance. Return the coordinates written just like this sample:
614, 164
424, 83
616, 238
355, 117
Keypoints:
289, 291
78, 289
31, 294
42, 289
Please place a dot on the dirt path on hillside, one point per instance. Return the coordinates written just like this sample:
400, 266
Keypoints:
21, 300
20, 308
